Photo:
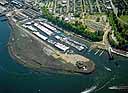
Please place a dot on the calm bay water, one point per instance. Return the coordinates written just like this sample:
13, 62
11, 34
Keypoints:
14, 78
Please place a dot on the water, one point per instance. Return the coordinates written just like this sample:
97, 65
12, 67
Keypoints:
14, 78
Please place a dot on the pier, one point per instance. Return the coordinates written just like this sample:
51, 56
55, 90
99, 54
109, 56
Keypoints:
89, 50
110, 53
101, 53
96, 52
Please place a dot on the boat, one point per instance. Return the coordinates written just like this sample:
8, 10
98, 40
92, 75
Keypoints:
89, 90
108, 69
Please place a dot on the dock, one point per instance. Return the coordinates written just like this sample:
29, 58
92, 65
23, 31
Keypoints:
89, 50
110, 53
97, 52
101, 53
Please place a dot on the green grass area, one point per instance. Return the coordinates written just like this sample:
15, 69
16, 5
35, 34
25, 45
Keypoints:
124, 18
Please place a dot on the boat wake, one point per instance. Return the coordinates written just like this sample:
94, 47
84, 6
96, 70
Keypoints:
89, 90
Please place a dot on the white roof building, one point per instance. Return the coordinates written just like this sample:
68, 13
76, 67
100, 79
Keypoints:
48, 26
61, 46
40, 35
30, 27
42, 28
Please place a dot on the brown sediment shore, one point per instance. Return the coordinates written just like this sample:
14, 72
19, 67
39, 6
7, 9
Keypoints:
30, 52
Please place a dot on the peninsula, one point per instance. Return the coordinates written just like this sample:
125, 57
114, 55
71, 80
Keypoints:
38, 44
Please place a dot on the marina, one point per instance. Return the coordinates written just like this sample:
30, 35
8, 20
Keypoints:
44, 77
16, 78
